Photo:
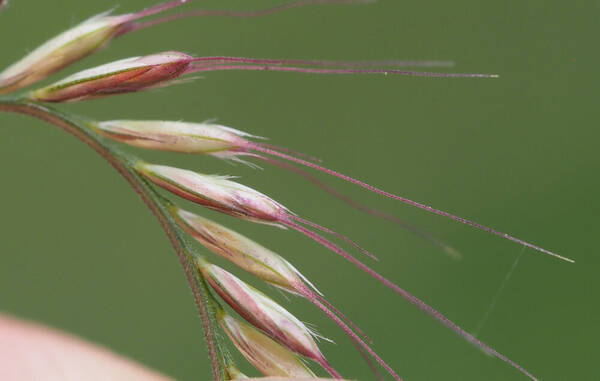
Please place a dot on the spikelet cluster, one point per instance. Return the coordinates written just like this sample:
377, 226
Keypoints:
271, 338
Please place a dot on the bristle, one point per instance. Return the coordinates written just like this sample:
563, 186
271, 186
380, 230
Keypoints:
449, 250
341, 71
311, 296
292, 152
330, 369
354, 337
335, 234
213, 60
343, 317
268, 151
365, 355
159, 8
243, 14
407, 296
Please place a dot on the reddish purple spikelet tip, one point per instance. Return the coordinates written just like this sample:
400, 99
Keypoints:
215, 192
123, 76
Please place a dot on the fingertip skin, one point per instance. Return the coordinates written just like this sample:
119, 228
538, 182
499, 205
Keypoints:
29, 351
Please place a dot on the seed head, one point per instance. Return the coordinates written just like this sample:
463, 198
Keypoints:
215, 192
269, 357
198, 138
123, 76
62, 50
247, 254
262, 311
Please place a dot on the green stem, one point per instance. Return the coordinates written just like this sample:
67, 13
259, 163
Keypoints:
158, 206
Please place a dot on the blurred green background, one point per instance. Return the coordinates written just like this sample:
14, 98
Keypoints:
81, 253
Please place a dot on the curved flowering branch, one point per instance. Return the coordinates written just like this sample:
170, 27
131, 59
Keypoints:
152, 200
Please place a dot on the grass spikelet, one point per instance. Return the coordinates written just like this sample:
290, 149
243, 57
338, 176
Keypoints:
269, 357
262, 312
